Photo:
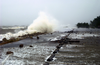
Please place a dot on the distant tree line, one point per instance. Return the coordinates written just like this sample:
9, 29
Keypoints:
83, 25
93, 24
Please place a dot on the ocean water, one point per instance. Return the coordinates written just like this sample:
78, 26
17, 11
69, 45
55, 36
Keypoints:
5, 30
12, 29
69, 54
15, 31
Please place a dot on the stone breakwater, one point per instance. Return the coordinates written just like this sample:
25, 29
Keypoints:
13, 39
62, 41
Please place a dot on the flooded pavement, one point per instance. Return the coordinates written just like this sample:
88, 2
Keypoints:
83, 53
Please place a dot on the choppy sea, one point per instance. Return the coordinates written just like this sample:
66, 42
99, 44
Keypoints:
69, 54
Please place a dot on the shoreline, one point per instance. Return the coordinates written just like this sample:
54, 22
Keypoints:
86, 40
68, 53
20, 38
76, 31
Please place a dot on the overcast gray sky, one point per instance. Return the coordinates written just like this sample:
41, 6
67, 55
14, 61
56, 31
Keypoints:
67, 12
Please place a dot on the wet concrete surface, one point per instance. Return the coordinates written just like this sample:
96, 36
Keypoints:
83, 53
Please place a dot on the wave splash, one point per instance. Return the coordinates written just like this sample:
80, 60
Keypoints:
43, 24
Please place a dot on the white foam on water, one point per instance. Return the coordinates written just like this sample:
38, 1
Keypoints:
48, 57
44, 24
35, 52
54, 39
14, 27
61, 48
71, 46
81, 36
1, 37
58, 37
54, 59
